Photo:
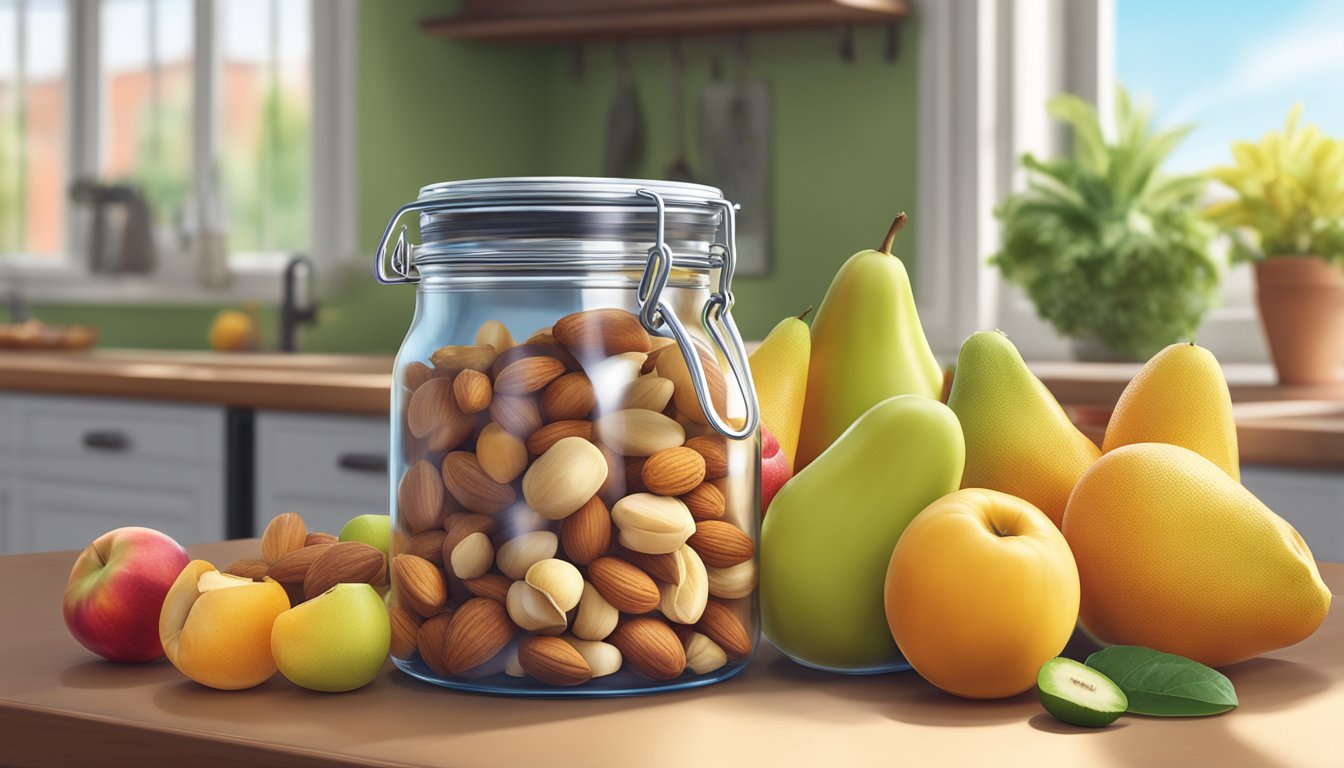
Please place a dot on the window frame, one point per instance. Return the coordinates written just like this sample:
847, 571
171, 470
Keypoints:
332, 167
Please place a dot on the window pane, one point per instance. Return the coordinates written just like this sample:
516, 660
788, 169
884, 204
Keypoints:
146, 99
1235, 78
266, 98
32, 127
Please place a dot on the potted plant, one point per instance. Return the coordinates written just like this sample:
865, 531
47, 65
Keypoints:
1114, 254
1287, 218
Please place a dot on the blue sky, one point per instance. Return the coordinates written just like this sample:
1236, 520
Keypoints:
1233, 67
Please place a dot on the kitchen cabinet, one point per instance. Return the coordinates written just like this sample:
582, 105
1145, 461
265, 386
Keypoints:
72, 468
1312, 500
326, 467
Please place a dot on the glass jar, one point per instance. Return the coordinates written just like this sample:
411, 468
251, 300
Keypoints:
575, 471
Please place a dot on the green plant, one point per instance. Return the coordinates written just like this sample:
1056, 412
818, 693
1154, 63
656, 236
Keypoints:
1289, 195
1107, 247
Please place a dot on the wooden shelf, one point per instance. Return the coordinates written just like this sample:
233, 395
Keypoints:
576, 21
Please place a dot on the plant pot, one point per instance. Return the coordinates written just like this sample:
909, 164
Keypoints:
1301, 301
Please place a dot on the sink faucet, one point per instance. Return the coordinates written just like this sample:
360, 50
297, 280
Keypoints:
18, 306
292, 312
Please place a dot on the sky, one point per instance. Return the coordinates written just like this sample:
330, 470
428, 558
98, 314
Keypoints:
1232, 67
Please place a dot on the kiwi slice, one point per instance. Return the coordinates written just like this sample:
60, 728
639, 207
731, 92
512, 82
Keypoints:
1079, 695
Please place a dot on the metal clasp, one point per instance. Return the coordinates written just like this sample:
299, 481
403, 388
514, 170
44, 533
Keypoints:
402, 260
654, 313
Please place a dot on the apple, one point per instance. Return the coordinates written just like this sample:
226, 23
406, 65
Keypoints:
116, 589
775, 471
335, 642
981, 591
374, 530
216, 627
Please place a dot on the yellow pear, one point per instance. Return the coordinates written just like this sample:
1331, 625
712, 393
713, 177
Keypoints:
1180, 397
1175, 555
779, 369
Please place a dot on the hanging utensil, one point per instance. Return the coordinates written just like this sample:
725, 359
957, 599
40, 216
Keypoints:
680, 167
623, 153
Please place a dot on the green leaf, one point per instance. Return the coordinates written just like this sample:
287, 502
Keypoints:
1164, 684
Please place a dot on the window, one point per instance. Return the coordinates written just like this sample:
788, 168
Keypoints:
226, 115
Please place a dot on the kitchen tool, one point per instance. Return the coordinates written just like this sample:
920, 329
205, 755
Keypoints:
119, 237
680, 168
623, 152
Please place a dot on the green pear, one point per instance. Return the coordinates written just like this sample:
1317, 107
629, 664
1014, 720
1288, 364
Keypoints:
827, 541
867, 345
335, 642
1018, 438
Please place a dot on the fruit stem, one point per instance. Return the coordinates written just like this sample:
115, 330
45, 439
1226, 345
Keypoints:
896, 226
806, 312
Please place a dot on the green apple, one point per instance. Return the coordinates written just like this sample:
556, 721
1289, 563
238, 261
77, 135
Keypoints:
335, 642
374, 530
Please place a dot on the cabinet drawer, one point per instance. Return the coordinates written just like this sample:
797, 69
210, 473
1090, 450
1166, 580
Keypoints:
64, 516
338, 460
120, 431
6, 424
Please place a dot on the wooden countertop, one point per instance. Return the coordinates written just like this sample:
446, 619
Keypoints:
62, 706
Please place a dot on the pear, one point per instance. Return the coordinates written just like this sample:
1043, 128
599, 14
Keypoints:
867, 345
1018, 438
1179, 397
779, 369
828, 538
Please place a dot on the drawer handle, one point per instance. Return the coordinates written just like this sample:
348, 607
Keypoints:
109, 440
363, 462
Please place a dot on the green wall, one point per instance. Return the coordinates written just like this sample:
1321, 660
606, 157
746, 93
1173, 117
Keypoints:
843, 157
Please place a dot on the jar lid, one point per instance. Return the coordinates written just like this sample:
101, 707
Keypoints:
546, 218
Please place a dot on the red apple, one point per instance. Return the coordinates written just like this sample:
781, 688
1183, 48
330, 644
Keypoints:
775, 470
116, 590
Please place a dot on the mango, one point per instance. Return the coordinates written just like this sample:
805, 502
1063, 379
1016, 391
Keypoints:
1175, 555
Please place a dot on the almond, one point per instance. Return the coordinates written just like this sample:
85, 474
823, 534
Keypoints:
704, 655
472, 391
420, 498
564, 478
461, 525
650, 393
517, 415
568, 397
734, 581
673, 471
502, 455
615, 486
529, 609
720, 624
344, 562
416, 373
601, 332
518, 554
252, 569
528, 375
623, 585
684, 600
558, 580
603, 658
432, 415
285, 533
492, 586
472, 557
541, 441
405, 629
428, 544
451, 359
596, 617
661, 567
492, 333
672, 366
714, 450
293, 568
652, 524
319, 537
721, 544
638, 432
472, 487
553, 661
478, 630
419, 584
650, 647
431, 639
634, 476
586, 534
705, 501
536, 346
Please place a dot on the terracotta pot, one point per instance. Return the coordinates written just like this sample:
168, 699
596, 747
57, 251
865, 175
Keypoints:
1301, 300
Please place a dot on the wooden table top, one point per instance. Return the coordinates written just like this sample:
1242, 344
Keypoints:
62, 706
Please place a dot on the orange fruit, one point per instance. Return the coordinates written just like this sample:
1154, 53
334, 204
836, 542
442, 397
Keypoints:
1175, 555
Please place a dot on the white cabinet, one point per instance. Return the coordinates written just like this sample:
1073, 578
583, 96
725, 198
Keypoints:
72, 468
1312, 500
325, 467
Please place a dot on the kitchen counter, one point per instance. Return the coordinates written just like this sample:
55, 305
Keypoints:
62, 706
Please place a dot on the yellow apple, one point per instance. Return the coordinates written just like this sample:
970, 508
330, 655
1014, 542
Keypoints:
335, 642
216, 628
981, 591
